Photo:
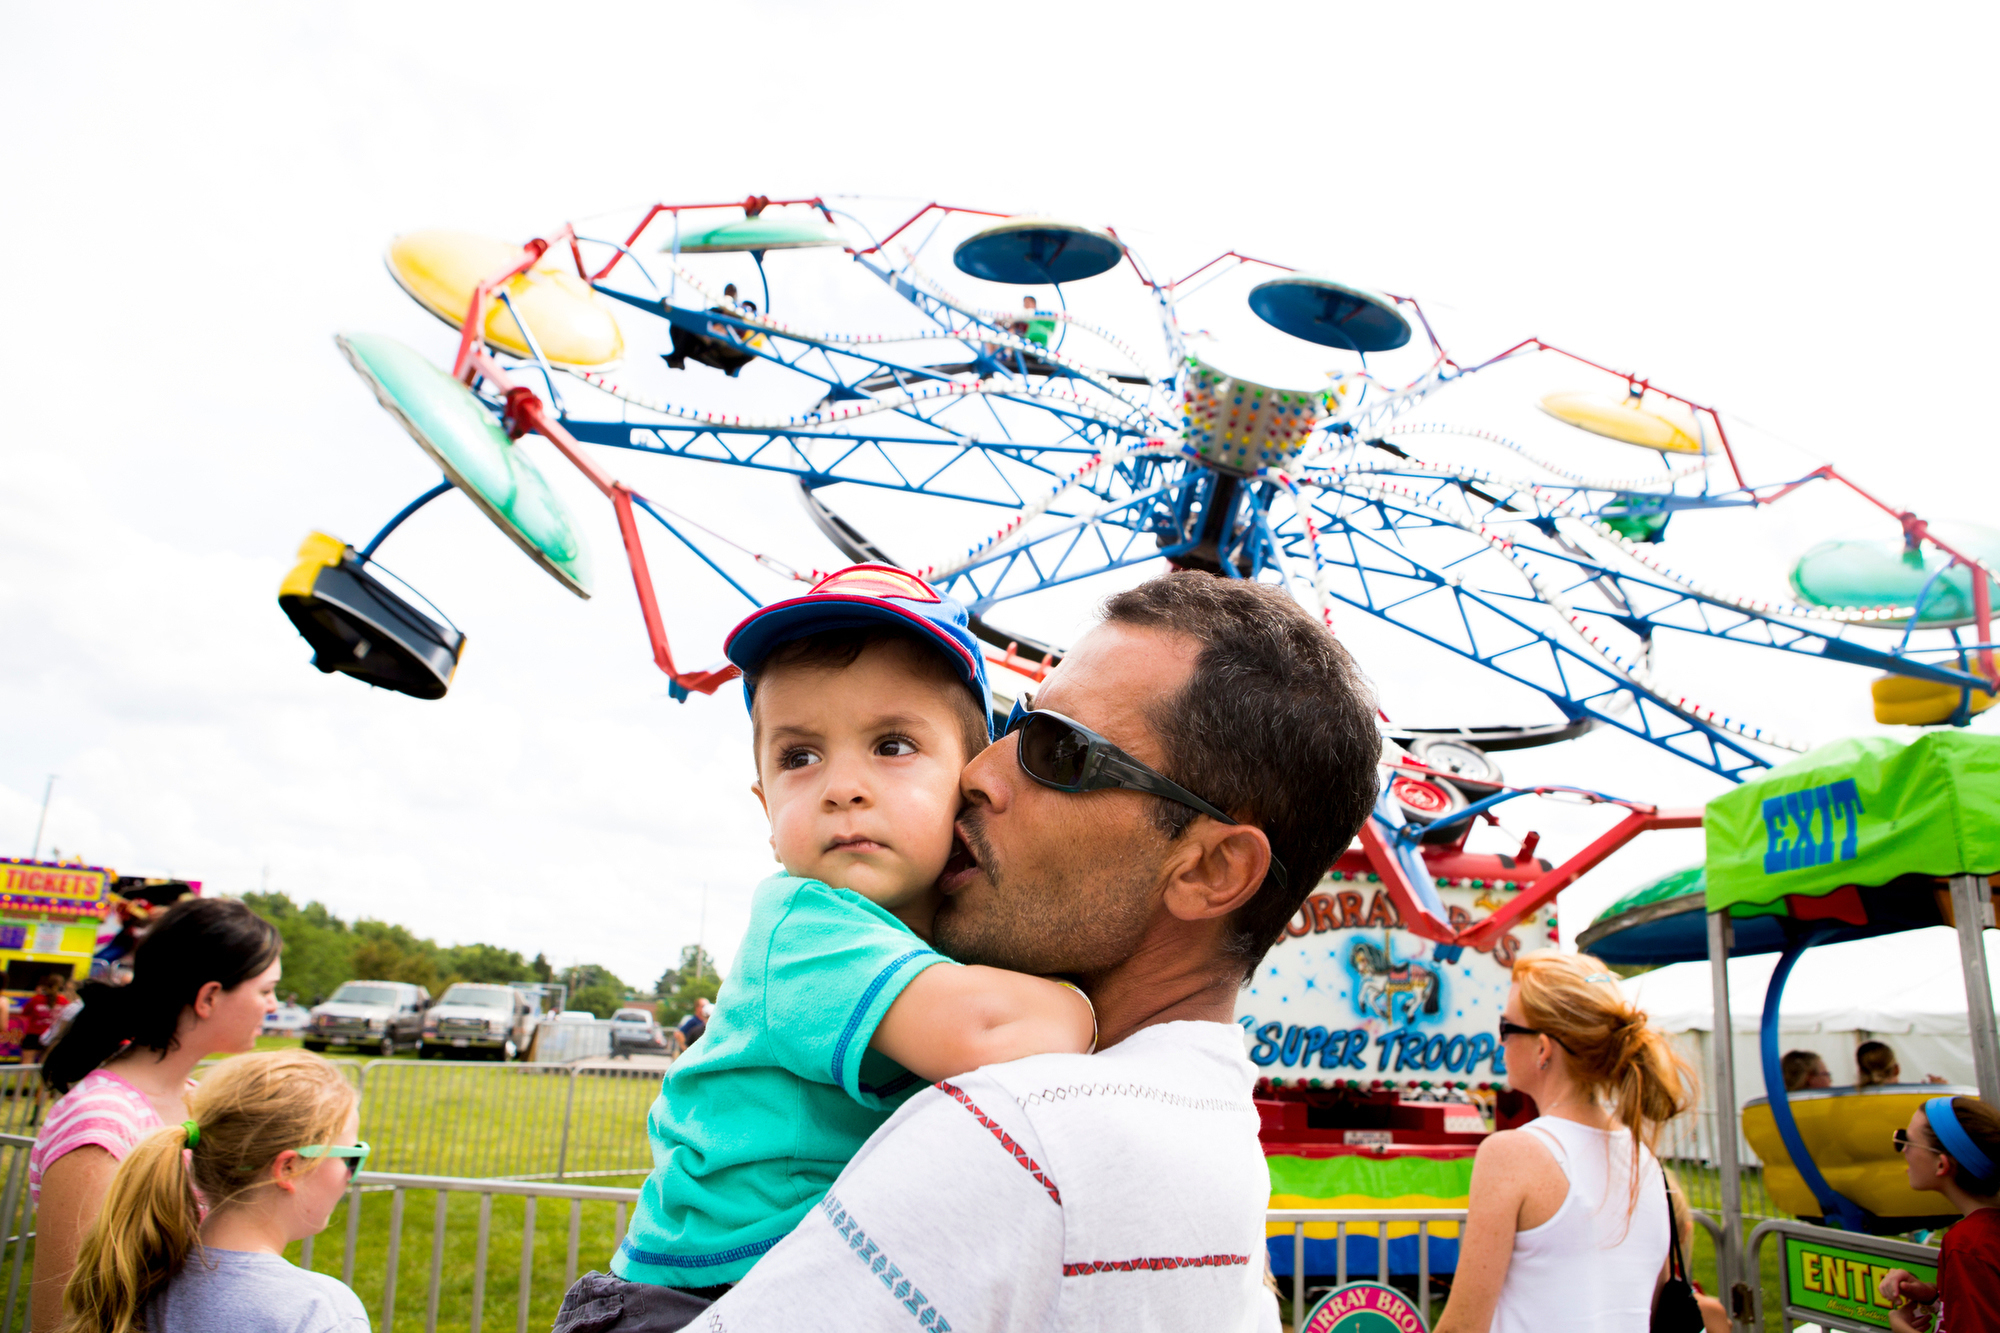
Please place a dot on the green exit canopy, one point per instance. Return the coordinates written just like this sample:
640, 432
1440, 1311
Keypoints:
1859, 812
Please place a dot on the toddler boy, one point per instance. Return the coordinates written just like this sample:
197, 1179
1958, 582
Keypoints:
867, 697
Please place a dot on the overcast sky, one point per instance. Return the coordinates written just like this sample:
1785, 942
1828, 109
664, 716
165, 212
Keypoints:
1783, 210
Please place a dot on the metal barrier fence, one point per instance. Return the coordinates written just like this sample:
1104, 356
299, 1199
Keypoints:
460, 1118
495, 1256
1353, 1223
1702, 1183
17, 1229
518, 1121
1840, 1247
491, 1259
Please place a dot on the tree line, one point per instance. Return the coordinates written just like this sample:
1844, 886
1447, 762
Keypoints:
322, 951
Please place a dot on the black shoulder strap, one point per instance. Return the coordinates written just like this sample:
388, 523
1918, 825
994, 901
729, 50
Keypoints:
1679, 1268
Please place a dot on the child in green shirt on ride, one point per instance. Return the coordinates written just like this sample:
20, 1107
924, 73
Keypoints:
867, 696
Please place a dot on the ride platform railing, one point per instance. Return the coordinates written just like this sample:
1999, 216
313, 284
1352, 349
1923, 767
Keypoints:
1356, 1223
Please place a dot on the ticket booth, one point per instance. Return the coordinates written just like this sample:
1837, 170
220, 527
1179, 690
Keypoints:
49, 916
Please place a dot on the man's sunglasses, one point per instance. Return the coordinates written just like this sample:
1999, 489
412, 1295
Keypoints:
1069, 756
353, 1157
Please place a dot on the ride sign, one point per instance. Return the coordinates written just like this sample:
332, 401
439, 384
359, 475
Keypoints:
1351, 993
1365, 1307
1841, 1282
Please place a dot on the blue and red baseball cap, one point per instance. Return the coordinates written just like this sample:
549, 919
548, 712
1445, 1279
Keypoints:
857, 597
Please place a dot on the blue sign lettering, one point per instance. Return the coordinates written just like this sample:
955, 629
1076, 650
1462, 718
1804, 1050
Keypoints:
1294, 1046
1799, 827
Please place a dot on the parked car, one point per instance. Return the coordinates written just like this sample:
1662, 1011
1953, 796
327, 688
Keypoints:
573, 1016
479, 1017
636, 1032
287, 1019
383, 1016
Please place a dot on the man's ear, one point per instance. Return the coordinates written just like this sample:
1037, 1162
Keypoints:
1218, 870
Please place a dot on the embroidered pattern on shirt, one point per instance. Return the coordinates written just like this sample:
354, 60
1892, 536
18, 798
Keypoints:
1154, 1265
1028, 1163
861, 1010
1138, 1091
900, 1288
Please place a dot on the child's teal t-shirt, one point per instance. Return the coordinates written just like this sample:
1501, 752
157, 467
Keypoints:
752, 1125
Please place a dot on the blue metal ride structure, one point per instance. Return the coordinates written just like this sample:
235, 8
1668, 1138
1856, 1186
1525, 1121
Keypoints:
1094, 470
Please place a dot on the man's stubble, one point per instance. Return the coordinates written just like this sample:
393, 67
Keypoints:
1085, 920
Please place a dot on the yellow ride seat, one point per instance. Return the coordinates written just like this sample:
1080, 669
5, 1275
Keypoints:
1906, 701
1849, 1132
439, 269
1670, 430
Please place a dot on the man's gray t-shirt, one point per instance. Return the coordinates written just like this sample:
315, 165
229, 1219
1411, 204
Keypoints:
241, 1291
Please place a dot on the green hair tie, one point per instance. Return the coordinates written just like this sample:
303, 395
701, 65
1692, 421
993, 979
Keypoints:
193, 1132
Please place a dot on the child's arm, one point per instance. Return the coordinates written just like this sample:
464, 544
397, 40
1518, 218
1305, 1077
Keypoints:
950, 1020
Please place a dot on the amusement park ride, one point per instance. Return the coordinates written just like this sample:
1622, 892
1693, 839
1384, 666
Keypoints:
1099, 457
1096, 457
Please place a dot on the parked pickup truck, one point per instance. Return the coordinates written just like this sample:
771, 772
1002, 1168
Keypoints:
380, 1016
476, 1017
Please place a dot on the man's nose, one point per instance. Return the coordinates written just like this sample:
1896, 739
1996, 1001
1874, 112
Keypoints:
988, 779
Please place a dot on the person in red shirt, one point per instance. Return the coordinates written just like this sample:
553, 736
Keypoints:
39, 1015
1952, 1147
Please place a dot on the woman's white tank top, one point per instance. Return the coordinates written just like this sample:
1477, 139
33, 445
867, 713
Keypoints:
1592, 1268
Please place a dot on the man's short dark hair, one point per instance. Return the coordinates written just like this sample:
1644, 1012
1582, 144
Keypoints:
838, 649
1276, 725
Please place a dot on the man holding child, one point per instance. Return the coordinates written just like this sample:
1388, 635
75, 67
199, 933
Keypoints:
980, 918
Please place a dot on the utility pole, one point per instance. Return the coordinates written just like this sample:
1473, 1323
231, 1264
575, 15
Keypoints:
42, 823
701, 935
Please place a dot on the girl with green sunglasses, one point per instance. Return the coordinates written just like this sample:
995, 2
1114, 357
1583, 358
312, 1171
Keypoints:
194, 1228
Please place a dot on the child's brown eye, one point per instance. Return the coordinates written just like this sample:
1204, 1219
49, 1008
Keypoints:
797, 759
896, 746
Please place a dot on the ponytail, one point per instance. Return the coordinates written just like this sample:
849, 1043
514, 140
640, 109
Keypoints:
1874, 1060
246, 1112
1614, 1054
196, 941
1976, 1121
145, 1230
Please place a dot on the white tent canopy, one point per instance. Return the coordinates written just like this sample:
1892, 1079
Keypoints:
1907, 990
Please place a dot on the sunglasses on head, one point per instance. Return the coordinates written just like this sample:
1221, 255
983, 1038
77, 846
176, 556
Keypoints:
1068, 756
351, 1157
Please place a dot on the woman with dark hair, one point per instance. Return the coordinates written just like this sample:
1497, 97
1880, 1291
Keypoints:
1952, 1147
203, 978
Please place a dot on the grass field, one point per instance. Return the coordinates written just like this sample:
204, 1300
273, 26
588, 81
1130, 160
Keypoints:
491, 1119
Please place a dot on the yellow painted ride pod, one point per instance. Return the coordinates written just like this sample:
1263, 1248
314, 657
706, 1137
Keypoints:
1671, 431
1849, 1133
1908, 702
439, 269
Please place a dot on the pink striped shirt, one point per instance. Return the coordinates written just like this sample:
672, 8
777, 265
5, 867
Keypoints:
102, 1111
